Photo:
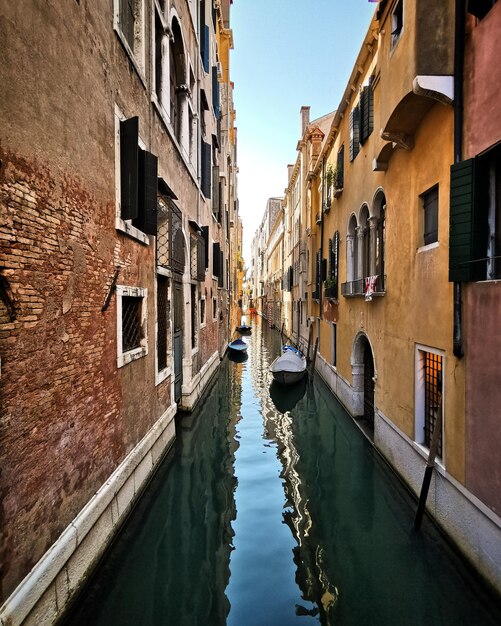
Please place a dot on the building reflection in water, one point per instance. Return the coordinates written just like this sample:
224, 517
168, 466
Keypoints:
277, 403
170, 564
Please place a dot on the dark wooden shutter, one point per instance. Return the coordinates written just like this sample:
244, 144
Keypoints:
215, 92
366, 113
205, 235
221, 269
148, 191
129, 130
216, 260
331, 260
467, 225
215, 192
335, 251
206, 169
340, 168
204, 46
323, 270
354, 132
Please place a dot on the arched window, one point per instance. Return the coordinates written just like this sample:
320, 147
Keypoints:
377, 239
177, 67
363, 243
351, 250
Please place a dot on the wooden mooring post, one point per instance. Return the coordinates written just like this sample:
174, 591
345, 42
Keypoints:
310, 335
312, 367
429, 467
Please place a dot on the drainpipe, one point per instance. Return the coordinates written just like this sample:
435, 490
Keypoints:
459, 36
322, 236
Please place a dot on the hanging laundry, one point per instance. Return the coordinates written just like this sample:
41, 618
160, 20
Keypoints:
370, 287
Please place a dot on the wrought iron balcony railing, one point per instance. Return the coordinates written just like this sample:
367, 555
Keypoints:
365, 287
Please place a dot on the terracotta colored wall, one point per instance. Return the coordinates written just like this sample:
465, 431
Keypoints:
483, 392
482, 110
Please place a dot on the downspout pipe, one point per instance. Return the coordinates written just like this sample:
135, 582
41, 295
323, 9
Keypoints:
459, 37
321, 237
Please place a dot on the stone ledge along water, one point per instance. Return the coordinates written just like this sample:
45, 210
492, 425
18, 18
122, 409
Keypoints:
273, 509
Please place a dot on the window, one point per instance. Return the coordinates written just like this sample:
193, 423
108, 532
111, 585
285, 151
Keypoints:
163, 317
138, 180
178, 83
204, 38
475, 218
480, 8
429, 368
430, 215
331, 285
131, 324
339, 182
354, 132
161, 50
197, 260
397, 22
202, 311
129, 25
206, 169
214, 308
193, 317
366, 112
334, 344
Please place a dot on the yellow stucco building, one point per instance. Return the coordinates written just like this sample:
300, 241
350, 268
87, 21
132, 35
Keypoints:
374, 211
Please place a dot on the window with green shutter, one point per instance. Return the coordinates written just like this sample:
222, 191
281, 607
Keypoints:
354, 132
474, 232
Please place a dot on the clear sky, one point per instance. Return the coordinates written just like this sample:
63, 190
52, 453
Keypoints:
287, 53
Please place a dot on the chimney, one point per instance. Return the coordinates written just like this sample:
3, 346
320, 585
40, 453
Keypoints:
305, 119
290, 169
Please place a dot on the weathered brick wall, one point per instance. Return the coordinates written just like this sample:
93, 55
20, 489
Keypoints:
60, 432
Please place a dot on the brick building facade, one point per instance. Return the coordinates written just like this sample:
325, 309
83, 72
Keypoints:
114, 309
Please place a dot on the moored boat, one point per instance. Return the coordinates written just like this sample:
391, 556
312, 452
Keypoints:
243, 329
289, 367
238, 345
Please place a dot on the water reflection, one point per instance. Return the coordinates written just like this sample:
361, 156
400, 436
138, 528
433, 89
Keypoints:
275, 510
237, 357
285, 397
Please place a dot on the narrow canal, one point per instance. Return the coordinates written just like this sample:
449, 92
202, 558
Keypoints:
273, 509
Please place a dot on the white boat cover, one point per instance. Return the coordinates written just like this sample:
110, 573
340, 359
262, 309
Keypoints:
289, 362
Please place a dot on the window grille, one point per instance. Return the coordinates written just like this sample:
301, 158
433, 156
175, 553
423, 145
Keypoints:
163, 315
432, 396
197, 257
131, 323
163, 232
176, 240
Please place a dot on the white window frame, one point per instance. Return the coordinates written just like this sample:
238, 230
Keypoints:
123, 358
125, 226
419, 399
203, 323
393, 23
138, 58
161, 375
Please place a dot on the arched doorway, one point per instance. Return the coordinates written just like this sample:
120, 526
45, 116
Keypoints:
363, 383
368, 385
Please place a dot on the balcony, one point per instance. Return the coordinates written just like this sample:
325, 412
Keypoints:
361, 288
331, 293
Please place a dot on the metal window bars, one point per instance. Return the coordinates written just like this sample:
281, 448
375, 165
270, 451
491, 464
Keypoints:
131, 323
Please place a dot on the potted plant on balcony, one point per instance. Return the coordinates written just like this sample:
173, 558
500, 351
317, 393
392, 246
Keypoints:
331, 288
330, 182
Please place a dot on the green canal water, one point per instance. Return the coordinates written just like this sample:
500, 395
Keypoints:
273, 509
